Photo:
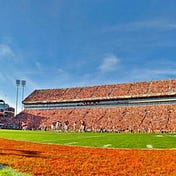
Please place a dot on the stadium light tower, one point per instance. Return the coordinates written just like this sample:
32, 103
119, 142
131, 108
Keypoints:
17, 84
23, 83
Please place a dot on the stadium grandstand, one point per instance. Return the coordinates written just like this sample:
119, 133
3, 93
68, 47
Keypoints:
145, 107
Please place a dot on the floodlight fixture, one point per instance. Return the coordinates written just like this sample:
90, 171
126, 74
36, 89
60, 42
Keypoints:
23, 82
17, 82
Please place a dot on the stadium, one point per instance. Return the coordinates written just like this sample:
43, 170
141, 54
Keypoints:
135, 121
145, 107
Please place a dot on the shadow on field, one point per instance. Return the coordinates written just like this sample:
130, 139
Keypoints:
24, 153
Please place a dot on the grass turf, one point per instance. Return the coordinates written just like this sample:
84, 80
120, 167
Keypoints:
6, 171
107, 140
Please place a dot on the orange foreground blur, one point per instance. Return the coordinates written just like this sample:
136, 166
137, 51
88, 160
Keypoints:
56, 160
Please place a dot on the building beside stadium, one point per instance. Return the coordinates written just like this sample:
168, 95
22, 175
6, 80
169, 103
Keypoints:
6, 110
6, 113
135, 107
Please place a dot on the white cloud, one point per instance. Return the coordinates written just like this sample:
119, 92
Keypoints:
150, 73
38, 65
110, 63
154, 24
60, 70
165, 72
6, 51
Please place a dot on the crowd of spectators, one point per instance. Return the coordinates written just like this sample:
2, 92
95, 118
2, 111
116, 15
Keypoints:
137, 89
145, 119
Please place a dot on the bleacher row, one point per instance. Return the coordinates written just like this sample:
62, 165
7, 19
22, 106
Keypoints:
138, 89
145, 119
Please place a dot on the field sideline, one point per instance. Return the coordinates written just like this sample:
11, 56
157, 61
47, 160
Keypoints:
102, 140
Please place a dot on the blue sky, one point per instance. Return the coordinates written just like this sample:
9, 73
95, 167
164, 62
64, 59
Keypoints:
70, 43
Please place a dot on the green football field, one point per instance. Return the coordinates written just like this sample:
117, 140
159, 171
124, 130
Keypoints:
104, 140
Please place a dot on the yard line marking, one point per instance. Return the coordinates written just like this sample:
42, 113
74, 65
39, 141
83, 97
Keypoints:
159, 135
70, 143
149, 146
107, 145
48, 140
